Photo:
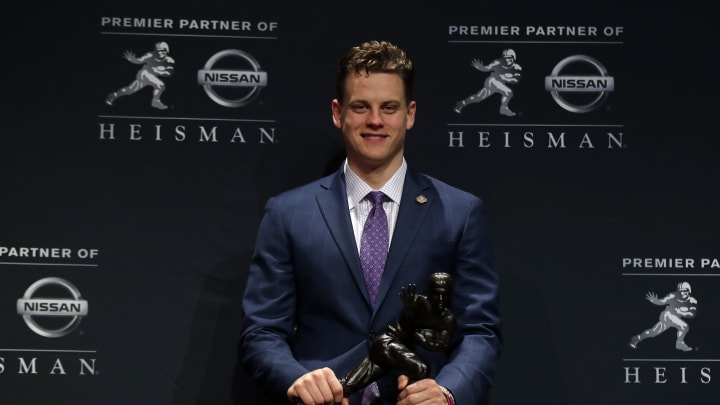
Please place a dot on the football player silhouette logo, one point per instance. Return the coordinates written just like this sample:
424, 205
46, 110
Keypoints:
679, 305
157, 64
503, 72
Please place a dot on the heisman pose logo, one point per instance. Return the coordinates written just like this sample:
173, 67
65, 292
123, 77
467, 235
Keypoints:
503, 72
678, 305
156, 64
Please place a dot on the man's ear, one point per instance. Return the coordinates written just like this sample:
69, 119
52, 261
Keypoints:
336, 113
412, 106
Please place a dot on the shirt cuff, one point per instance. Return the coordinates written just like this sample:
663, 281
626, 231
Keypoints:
448, 395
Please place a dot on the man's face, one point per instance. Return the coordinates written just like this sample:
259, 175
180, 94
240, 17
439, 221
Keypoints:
374, 118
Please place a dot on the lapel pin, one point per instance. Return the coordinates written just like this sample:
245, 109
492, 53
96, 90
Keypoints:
421, 199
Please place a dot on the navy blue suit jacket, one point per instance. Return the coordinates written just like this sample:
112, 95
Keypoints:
306, 305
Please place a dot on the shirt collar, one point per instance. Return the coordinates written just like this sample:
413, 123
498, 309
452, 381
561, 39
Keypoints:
357, 189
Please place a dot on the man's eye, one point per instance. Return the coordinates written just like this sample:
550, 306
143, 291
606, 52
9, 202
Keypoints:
390, 108
359, 107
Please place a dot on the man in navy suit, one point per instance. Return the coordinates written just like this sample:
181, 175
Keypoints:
309, 318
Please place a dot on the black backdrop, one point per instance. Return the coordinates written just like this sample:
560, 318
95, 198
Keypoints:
158, 219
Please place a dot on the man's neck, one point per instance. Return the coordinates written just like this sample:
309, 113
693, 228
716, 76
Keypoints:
375, 176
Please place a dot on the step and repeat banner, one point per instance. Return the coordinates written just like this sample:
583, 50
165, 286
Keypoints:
140, 141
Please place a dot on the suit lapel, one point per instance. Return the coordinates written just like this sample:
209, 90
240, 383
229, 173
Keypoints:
332, 201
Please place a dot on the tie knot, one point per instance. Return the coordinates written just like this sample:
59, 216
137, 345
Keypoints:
377, 197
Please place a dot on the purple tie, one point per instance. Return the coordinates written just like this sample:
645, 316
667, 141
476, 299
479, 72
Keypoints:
373, 252
374, 244
370, 394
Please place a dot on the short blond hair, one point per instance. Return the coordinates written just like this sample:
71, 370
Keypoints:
375, 57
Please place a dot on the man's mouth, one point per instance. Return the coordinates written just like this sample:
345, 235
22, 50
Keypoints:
371, 136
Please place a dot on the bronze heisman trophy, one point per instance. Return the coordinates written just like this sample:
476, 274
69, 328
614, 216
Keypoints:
425, 321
